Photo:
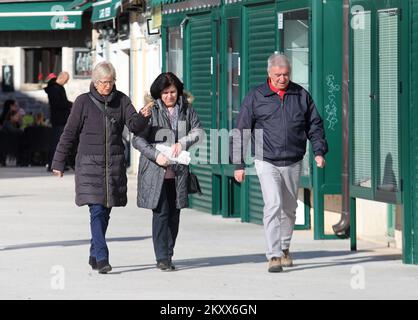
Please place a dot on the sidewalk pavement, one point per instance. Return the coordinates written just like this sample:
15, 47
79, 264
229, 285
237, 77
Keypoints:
44, 248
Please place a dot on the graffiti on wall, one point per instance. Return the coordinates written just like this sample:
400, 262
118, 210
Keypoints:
331, 107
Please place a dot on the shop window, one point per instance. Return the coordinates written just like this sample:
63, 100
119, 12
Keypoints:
294, 43
175, 51
388, 179
40, 62
362, 169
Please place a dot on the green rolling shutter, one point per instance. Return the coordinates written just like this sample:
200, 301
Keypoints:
200, 86
388, 100
414, 129
261, 43
362, 106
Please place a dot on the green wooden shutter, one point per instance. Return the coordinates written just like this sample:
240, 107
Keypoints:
362, 107
388, 101
414, 129
261, 44
200, 87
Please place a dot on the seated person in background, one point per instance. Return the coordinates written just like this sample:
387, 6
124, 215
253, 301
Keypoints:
37, 139
39, 120
13, 122
27, 120
13, 137
9, 105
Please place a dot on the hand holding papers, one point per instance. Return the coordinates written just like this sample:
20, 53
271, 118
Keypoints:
183, 157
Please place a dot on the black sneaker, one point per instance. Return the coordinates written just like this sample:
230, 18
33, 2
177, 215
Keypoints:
104, 266
165, 266
93, 263
172, 266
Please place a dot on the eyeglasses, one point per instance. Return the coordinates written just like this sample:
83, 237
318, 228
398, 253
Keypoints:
104, 83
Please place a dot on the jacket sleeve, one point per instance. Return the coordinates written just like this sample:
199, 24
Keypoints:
315, 130
238, 143
140, 142
196, 133
135, 121
69, 136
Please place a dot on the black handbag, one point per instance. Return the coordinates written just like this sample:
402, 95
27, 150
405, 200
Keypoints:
193, 185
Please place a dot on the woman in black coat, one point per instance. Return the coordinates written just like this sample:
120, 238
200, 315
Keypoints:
97, 120
162, 186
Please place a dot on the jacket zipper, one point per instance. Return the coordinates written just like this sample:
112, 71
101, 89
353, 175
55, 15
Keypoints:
106, 160
284, 123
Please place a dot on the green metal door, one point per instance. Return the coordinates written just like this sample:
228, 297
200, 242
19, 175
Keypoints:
229, 202
201, 40
376, 93
261, 42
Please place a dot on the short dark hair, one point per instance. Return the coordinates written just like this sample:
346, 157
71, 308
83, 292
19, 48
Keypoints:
163, 81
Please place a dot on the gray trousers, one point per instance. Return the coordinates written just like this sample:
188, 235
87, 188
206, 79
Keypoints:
279, 186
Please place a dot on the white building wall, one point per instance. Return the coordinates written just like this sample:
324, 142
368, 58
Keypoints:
146, 66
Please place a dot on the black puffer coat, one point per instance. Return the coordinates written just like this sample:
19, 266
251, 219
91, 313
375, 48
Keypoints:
150, 174
100, 171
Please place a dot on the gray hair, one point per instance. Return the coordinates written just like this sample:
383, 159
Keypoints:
278, 60
103, 69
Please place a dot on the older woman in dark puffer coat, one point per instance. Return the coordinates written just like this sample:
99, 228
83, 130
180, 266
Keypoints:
97, 120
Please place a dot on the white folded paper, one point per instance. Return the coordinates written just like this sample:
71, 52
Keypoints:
183, 157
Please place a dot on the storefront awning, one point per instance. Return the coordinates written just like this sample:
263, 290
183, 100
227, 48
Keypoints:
105, 10
39, 16
79, 5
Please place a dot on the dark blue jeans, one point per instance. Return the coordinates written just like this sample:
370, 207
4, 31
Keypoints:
165, 222
99, 220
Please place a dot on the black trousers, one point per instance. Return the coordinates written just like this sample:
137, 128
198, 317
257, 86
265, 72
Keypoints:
165, 222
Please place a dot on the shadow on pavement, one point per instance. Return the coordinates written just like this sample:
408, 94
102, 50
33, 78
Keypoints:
67, 243
342, 259
27, 172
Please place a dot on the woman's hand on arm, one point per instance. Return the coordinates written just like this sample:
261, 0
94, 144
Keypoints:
146, 110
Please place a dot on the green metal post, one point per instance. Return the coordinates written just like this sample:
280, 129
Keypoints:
317, 75
353, 225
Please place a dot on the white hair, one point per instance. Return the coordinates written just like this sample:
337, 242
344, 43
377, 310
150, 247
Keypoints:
103, 69
278, 60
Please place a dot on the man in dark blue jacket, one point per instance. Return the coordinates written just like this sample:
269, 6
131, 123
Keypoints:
285, 116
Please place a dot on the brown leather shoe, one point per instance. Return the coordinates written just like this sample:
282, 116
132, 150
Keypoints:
275, 265
287, 260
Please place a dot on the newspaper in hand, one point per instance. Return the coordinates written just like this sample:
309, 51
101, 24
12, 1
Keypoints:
182, 158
